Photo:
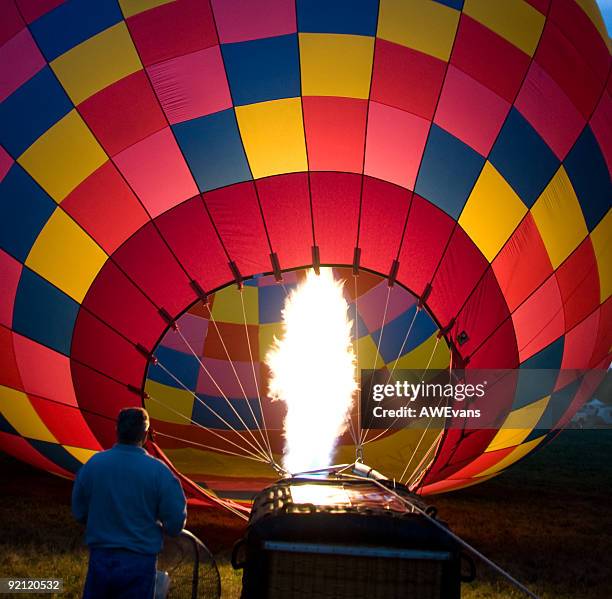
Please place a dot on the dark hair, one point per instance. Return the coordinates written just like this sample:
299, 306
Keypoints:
132, 425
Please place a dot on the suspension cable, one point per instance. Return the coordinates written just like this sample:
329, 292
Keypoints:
231, 363
263, 417
451, 534
212, 378
254, 456
382, 329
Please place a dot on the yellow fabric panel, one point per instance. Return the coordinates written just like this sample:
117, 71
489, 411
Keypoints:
133, 7
423, 25
179, 400
97, 63
267, 332
591, 9
393, 452
559, 218
514, 20
66, 256
63, 156
336, 65
80, 453
365, 348
17, 409
518, 425
420, 355
200, 461
273, 136
492, 212
227, 306
601, 238
519, 452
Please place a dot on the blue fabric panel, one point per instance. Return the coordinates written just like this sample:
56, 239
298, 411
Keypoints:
57, 454
395, 331
44, 313
271, 302
204, 416
24, 210
213, 149
264, 69
556, 409
458, 4
537, 376
523, 158
184, 367
32, 109
448, 171
588, 172
72, 23
357, 17
6, 426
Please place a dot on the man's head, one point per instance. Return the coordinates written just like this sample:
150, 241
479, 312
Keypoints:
132, 426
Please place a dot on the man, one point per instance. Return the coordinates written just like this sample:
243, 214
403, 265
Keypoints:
126, 497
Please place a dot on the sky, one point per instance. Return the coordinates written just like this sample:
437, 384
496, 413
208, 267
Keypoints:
606, 9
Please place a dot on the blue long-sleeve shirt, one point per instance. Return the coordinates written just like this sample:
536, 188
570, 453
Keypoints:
125, 497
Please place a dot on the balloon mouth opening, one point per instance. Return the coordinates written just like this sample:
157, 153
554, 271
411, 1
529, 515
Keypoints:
208, 389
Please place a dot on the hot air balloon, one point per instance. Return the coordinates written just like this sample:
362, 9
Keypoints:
449, 159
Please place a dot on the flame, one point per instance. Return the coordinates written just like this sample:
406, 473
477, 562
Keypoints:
313, 371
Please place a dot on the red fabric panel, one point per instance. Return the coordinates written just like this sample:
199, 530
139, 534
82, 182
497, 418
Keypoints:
578, 347
105, 206
10, 273
550, 112
148, 261
172, 29
116, 300
9, 373
19, 448
568, 67
100, 347
66, 423
396, 140
489, 58
99, 394
539, 321
604, 334
190, 233
499, 350
237, 216
578, 28
578, 280
335, 133
470, 111
483, 462
522, 264
11, 22
483, 312
123, 113
383, 213
541, 5
600, 125
427, 232
51, 377
285, 203
458, 449
335, 209
235, 340
459, 272
33, 9
407, 79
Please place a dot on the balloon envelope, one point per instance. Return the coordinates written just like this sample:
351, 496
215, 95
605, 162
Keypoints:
154, 152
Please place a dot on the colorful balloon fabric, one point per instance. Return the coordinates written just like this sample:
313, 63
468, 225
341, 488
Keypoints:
154, 152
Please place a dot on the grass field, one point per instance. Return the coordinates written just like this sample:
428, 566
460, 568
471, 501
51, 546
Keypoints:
547, 521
